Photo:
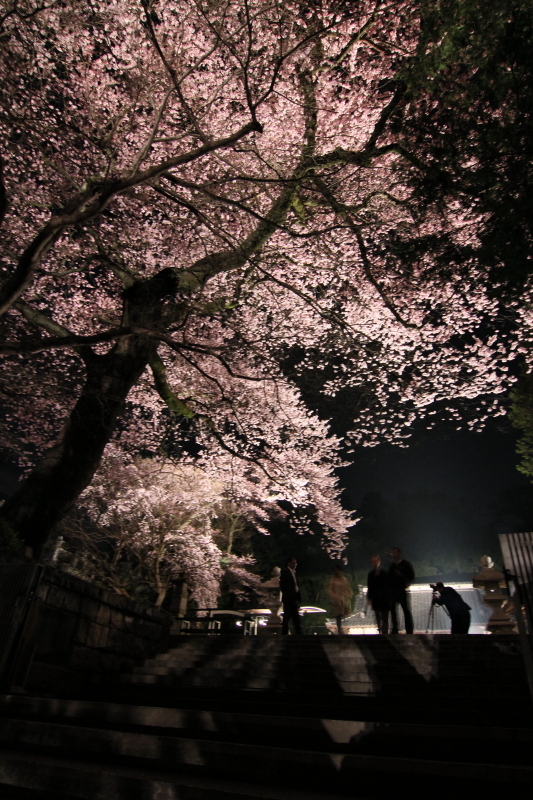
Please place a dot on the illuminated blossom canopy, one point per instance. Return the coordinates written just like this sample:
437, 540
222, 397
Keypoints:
153, 521
205, 207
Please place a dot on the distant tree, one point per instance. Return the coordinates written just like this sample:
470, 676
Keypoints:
470, 121
232, 529
521, 416
151, 523
145, 522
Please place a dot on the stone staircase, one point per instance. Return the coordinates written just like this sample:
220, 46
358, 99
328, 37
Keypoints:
293, 718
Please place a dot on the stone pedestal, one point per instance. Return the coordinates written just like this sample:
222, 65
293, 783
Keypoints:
492, 581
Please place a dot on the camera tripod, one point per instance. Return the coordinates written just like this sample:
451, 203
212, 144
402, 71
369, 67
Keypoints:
431, 614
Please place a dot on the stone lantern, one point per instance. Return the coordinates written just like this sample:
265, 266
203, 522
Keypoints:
492, 581
272, 594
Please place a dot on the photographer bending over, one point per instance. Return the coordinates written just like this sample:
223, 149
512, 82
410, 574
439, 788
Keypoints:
458, 610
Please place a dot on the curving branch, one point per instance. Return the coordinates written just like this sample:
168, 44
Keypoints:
184, 203
15, 11
165, 392
341, 209
91, 203
40, 320
180, 408
69, 340
228, 449
176, 83
234, 203
179, 347
114, 264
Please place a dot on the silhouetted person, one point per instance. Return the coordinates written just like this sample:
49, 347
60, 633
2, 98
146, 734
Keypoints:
458, 610
401, 576
290, 597
340, 593
378, 594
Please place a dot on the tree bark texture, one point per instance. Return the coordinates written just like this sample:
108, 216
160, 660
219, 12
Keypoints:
68, 467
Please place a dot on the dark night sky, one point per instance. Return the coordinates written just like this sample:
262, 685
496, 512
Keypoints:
474, 465
460, 489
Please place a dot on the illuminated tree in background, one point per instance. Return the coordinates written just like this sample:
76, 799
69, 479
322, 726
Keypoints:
143, 523
206, 209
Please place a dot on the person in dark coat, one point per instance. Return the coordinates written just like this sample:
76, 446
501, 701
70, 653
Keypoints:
290, 597
458, 610
378, 594
401, 576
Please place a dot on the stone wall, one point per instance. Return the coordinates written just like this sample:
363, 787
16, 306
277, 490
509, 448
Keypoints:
83, 635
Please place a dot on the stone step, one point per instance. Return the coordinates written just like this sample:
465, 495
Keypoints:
410, 723
460, 710
447, 644
301, 657
220, 649
435, 641
40, 777
330, 677
437, 741
351, 654
303, 654
261, 763
358, 671
366, 684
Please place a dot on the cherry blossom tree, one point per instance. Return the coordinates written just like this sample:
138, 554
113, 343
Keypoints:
203, 208
143, 523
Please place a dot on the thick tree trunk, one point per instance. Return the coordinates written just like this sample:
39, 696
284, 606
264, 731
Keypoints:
68, 467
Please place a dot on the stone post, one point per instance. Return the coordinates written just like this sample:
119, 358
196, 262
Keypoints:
273, 601
179, 598
492, 581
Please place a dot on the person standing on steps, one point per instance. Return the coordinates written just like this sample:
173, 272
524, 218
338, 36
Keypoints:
290, 597
401, 576
340, 593
378, 594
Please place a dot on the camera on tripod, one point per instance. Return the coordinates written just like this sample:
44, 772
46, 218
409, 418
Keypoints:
435, 590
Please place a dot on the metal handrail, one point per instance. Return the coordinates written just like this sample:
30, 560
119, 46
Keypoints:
247, 620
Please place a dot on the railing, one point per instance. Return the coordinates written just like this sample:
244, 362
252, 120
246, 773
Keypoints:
209, 621
18, 584
517, 551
